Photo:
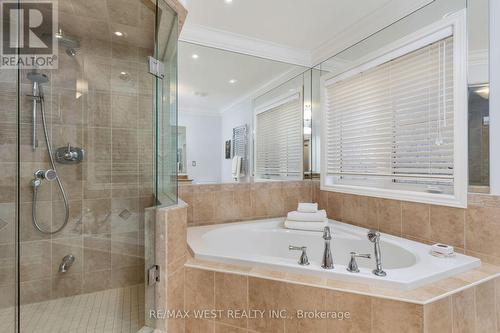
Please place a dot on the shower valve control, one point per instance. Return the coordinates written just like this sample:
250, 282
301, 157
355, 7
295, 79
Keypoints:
69, 155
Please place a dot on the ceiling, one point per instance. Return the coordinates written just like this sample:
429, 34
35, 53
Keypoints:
294, 25
204, 85
291, 31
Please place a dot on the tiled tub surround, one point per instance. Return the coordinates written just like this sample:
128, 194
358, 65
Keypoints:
474, 231
87, 105
473, 308
212, 204
264, 243
468, 302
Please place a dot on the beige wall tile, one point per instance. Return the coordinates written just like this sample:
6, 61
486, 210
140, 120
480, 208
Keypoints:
497, 302
416, 220
225, 205
243, 202
67, 284
393, 316
35, 291
197, 326
485, 307
482, 230
360, 210
358, 306
334, 204
176, 234
464, 312
265, 295
438, 316
300, 297
447, 225
175, 300
199, 294
231, 293
124, 108
267, 200
221, 328
389, 216
96, 281
204, 206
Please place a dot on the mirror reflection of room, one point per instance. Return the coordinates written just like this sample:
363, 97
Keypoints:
231, 107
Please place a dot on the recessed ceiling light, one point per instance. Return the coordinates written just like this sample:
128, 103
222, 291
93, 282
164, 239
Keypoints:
228, 1
119, 33
195, 56
233, 81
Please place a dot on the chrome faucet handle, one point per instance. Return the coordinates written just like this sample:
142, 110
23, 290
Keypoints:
304, 261
353, 265
327, 235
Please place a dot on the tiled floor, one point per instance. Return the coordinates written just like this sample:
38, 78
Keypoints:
108, 311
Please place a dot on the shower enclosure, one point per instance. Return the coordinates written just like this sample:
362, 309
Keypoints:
85, 149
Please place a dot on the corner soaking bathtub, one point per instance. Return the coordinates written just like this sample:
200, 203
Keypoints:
265, 243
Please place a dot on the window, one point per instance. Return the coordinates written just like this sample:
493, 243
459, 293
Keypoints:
394, 126
279, 139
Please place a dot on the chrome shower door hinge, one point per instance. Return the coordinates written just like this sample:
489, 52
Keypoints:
156, 67
153, 275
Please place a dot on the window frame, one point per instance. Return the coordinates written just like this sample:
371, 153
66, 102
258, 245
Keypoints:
451, 25
271, 104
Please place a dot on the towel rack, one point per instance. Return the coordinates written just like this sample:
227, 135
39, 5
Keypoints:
240, 146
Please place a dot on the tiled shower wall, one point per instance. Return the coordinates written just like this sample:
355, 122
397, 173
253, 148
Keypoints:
99, 100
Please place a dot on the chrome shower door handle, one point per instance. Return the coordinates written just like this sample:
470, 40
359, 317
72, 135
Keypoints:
304, 261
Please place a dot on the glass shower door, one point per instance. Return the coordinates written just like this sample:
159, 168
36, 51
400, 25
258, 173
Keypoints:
81, 144
8, 200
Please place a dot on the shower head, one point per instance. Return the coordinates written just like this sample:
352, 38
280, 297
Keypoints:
71, 44
36, 77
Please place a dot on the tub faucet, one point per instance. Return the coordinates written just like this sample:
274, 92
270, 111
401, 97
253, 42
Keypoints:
374, 237
327, 262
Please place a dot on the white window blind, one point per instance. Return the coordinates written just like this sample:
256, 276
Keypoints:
392, 126
279, 140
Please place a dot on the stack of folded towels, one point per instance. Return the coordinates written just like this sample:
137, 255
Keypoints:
307, 217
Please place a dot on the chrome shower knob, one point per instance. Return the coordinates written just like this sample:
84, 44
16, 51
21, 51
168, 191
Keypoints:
304, 261
49, 174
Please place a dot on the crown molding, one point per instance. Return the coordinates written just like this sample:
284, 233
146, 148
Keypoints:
365, 27
220, 39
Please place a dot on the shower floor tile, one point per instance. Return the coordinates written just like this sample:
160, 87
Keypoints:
113, 310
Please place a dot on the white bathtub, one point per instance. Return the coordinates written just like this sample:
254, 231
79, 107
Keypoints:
265, 243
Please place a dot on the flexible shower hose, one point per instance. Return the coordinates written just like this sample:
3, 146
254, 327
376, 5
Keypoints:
61, 188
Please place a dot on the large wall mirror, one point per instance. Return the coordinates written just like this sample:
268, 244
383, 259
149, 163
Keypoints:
392, 108
242, 118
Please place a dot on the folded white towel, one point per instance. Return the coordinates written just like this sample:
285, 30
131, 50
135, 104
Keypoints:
307, 207
236, 167
319, 216
311, 226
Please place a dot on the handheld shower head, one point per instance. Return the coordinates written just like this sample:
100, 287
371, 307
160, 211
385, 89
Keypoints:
38, 78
